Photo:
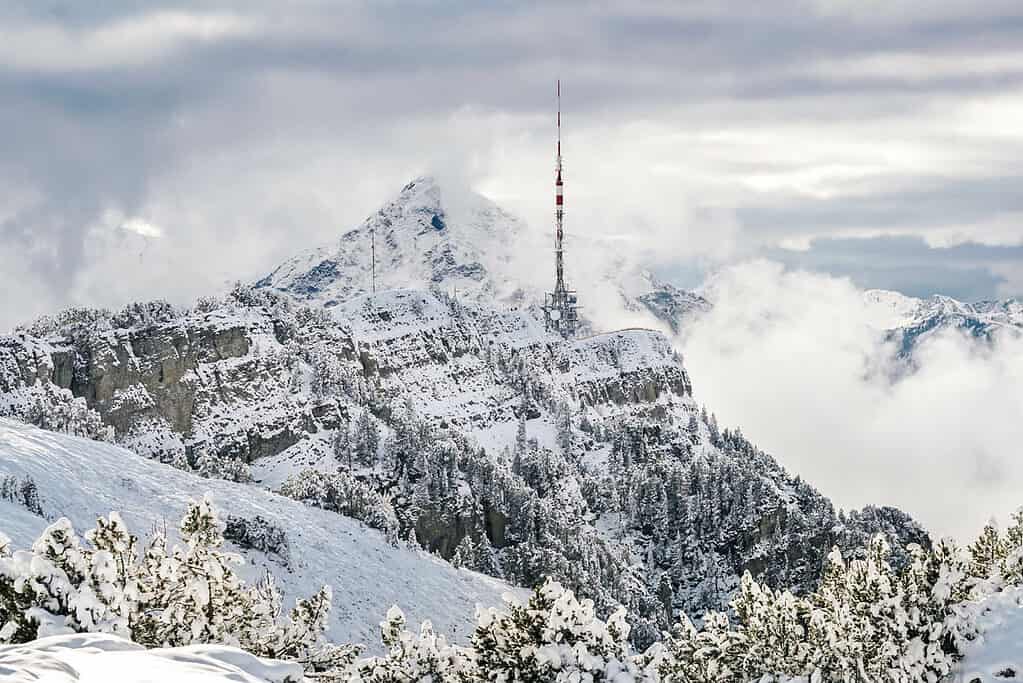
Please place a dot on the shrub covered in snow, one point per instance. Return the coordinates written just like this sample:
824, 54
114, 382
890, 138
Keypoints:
56, 409
24, 492
163, 595
259, 534
868, 620
344, 494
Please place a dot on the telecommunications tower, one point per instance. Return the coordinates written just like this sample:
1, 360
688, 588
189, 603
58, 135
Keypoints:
560, 306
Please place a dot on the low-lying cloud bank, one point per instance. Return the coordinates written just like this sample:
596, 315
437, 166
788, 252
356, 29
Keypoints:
797, 359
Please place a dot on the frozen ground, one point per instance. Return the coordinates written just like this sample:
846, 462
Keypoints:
997, 657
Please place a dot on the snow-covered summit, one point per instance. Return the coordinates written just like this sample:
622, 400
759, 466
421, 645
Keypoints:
910, 320
446, 238
888, 309
426, 236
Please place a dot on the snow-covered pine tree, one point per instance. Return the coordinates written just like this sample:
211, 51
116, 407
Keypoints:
412, 658
706, 655
987, 551
341, 444
554, 637
365, 439
563, 427
205, 601
773, 630
478, 556
1011, 568
114, 576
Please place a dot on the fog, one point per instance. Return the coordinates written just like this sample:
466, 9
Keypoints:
795, 359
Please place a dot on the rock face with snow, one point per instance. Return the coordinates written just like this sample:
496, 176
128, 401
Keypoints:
503, 448
496, 445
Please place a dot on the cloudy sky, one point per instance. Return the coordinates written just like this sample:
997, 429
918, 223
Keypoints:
163, 150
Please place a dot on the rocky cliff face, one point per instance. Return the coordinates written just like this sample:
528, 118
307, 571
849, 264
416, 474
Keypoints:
226, 378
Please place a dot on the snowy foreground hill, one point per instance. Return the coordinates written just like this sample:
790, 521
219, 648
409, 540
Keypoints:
83, 480
101, 658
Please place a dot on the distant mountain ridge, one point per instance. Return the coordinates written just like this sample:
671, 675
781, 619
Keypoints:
909, 320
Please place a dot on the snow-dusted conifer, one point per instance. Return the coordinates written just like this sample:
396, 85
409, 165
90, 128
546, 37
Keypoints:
365, 439
554, 637
412, 658
987, 551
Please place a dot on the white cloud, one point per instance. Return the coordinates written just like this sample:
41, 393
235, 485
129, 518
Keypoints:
133, 41
142, 227
794, 360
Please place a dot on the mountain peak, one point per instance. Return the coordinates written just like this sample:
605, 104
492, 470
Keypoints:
423, 182
422, 238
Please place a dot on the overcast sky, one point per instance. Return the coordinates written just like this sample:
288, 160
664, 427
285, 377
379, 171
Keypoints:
161, 151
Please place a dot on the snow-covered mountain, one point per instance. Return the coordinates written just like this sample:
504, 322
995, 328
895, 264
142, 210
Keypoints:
83, 479
453, 240
424, 237
909, 320
492, 443
499, 446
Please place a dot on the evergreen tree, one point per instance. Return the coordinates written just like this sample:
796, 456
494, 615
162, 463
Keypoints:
563, 427
553, 637
365, 439
412, 658
341, 444
987, 551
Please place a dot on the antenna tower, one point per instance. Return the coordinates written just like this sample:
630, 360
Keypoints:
561, 312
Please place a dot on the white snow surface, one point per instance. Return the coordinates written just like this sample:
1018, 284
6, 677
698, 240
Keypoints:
997, 656
82, 480
102, 658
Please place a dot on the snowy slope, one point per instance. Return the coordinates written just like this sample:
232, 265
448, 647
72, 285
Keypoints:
101, 658
82, 479
997, 655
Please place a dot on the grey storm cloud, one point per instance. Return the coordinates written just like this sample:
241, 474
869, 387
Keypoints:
242, 132
907, 264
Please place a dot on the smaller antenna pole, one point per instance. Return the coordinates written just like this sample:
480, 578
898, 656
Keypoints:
373, 251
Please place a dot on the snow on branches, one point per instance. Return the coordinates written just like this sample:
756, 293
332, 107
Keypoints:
164, 595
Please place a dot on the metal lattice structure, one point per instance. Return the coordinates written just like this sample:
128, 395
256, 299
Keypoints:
561, 311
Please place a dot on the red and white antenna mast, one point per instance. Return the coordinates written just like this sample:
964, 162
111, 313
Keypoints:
560, 310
